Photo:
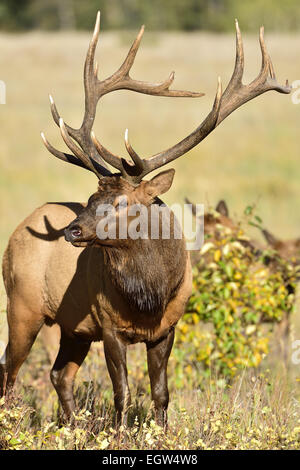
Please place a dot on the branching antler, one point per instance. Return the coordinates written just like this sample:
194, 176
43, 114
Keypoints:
79, 140
235, 95
89, 153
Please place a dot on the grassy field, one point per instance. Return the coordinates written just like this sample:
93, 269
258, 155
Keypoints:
259, 410
252, 158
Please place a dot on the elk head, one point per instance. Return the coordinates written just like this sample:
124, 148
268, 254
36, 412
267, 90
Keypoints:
214, 219
116, 197
89, 153
287, 249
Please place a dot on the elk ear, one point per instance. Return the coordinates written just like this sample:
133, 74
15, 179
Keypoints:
192, 206
298, 243
222, 208
270, 238
159, 184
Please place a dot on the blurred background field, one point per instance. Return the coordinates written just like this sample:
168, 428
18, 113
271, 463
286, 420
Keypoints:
253, 157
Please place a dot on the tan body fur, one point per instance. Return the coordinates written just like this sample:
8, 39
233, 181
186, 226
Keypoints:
76, 292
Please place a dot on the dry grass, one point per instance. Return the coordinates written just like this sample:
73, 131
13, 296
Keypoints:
252, 157
259, 410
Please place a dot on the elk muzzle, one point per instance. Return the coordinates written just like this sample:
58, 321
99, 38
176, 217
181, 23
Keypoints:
72, 233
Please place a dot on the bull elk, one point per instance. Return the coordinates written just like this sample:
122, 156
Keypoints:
121, 291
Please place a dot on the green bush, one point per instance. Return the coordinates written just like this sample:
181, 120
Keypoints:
237, 290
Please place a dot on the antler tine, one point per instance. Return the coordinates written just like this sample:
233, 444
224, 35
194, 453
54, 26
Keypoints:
237, 75
90, 68
239, 59
66, 157
236, 94
264, 55
54, 112
271, 69
130, 172
91, 86
138, 161
267, 69
107, 156
74, 148
262, 79
121, 79
98, 169
56, 117
125, 68
90, 72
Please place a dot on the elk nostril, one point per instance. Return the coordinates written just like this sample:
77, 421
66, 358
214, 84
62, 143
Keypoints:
73, 232
76, 232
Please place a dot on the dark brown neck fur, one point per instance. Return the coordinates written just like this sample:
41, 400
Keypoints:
147, 273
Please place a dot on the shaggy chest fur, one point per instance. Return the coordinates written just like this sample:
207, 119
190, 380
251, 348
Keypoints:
149, 279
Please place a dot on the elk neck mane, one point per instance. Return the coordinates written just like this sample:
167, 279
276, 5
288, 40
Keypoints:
149, 277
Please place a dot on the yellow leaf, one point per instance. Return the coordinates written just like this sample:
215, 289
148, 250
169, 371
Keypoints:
238, 276
250, 329
217, 255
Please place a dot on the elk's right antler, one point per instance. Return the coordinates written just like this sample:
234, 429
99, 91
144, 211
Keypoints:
79, 140
235, 95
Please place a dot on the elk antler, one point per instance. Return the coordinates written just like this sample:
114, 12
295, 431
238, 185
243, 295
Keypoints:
235, 95
79, 140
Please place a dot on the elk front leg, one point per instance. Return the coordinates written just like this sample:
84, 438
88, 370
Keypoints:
115, 355
71, 355
158, 354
